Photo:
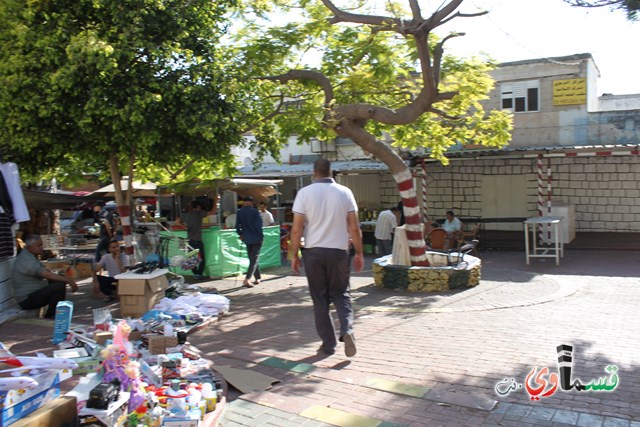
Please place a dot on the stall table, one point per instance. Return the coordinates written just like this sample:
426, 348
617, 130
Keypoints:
556, 251
225, 253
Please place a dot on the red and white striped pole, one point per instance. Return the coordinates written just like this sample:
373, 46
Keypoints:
540, 199
549, 199
425, 213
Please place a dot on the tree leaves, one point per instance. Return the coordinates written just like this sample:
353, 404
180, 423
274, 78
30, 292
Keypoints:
82, 79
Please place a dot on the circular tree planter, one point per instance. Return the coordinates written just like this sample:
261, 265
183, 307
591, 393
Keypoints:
438, 277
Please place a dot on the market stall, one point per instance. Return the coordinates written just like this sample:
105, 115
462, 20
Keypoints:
225, 253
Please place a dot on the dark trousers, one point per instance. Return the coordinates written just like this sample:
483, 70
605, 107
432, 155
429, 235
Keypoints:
51, 294
102, 248
253, 252
327, 272
108, 285
197, 244
385, 247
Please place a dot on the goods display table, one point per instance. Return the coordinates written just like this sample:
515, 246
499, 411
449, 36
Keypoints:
225, 253
555, 251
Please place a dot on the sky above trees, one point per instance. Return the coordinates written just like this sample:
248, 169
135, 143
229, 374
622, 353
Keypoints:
527, 29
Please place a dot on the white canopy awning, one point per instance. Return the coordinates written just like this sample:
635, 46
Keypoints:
139, 189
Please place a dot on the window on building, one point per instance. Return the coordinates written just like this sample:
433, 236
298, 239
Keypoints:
520, 97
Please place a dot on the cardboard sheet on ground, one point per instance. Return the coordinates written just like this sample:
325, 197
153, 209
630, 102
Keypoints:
246, 380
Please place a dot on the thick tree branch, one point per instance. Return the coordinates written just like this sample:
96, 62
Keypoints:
415, 10
381, 22
371, 145
437, 56
316, 76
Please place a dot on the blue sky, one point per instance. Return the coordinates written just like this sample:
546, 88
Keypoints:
528, 29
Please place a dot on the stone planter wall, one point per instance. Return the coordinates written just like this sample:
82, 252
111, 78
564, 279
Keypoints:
426, 279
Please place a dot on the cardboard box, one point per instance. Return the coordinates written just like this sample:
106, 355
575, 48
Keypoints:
84, 269
16, 404
158, 344
60, 412
114, 416
140, 292
64, 313
101, 337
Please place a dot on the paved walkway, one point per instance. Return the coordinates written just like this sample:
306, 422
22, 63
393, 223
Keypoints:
427, 359
435, 359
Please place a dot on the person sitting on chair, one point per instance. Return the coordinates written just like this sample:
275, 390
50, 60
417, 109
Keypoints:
34, 286
453, 227
115, 262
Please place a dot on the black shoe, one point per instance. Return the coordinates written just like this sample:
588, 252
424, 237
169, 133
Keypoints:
322, 350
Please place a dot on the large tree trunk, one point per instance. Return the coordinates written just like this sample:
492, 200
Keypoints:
122, 203
412, 218
403, 178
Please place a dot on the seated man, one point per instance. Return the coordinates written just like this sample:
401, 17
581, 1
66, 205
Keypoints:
453, 227
34, 286
115, 262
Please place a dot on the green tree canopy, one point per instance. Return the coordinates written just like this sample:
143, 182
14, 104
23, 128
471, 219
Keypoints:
304, 75
382, 80
129, 84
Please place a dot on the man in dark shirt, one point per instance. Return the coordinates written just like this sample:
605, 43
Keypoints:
193, 221
104, 218
249, 228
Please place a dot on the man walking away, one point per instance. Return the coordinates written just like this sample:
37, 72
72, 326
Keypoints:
249, 228
193, 221
386, 223
326, 215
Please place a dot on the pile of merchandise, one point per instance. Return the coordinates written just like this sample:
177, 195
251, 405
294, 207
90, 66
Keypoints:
131, 372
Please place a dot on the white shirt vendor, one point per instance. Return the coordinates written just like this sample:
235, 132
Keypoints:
385, 225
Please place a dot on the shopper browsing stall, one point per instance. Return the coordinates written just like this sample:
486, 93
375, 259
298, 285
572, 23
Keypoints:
115, 262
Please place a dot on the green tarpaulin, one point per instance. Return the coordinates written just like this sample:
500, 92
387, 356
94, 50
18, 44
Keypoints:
225, 254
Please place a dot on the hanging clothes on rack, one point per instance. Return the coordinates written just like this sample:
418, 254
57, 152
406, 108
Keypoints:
11, 177
6, 221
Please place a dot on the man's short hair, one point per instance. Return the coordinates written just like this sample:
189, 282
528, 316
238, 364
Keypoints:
248, 199
322, 167
196, 203
99, 203
32, 239
450, 213
393, 209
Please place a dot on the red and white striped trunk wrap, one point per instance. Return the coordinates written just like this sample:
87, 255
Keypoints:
125, 217
413, 223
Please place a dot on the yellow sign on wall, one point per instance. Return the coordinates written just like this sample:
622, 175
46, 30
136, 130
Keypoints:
569, 92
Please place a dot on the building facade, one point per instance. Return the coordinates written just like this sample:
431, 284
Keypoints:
570, 146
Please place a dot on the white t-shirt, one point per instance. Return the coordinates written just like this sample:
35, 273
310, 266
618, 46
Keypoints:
108, 262
325, 206
267, 218
385, 225
451, 226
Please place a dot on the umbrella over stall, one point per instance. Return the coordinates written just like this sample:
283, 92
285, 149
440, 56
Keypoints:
138, 189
